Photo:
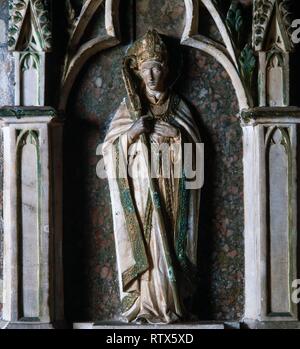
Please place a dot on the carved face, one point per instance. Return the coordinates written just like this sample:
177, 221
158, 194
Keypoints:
154, 75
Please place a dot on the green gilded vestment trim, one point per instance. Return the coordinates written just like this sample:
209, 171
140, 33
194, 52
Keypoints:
182, 225
148, 219
128, 301
133, 227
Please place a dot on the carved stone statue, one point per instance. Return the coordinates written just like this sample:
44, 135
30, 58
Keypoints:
155, 216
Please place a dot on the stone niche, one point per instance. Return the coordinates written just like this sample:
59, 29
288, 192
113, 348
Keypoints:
206, 87
235, 79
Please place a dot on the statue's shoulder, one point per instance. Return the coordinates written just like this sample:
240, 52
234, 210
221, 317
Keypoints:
123, 106
179, 104
124, 103
175, 100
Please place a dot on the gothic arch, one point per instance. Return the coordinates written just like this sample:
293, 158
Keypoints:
75, 62
225, 55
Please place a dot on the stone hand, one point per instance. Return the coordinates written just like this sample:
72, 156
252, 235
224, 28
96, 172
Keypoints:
164, 129
142, 125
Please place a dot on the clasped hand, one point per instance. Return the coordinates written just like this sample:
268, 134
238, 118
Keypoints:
146, 124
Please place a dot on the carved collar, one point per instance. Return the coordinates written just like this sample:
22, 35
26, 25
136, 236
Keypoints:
154, 101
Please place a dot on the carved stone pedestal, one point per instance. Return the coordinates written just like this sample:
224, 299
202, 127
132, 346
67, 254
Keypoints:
114, 325
32, 280
269, 325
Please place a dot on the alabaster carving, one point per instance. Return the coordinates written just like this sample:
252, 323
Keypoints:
155, 216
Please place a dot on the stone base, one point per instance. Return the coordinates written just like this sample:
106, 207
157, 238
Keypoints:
24, 325
129, 326
113, 325
3, 324
270, 325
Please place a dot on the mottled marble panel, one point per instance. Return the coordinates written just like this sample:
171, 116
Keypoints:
96, 28
208, 90
90, 268
166, 16
207, 25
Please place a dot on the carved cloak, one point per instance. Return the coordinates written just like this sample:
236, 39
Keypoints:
151, 250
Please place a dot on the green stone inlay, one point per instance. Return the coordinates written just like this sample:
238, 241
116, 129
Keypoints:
252, 114
19, 112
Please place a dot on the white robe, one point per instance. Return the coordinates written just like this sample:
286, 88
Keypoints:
148, 280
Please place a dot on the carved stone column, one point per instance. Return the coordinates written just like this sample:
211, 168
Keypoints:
33, 287
29, 40
32, 136
270, 172
270, 165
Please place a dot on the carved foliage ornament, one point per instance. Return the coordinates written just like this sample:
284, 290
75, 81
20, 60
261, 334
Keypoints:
286, 17
262, 15
22, 11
